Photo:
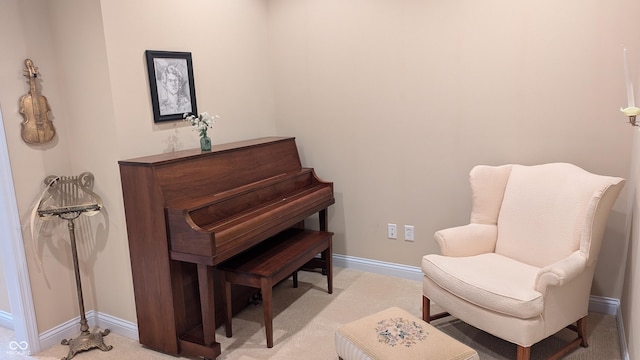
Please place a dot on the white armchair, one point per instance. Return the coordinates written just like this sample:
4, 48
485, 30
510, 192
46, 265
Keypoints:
522, 269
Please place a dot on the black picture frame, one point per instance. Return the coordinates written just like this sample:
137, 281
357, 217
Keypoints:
171, 84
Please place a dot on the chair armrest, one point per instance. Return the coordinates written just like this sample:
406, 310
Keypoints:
561, 271
467, 240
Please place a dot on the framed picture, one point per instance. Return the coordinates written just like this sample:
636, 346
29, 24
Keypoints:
171, 83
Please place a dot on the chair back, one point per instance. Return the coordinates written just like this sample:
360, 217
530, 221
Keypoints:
550, 211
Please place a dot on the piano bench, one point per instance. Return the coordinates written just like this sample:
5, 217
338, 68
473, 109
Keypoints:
272, 261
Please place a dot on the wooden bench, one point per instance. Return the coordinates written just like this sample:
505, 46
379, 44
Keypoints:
272, 261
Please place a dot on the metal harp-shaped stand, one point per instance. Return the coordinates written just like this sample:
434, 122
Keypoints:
68, 198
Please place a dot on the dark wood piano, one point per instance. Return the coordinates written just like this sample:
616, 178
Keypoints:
188, 211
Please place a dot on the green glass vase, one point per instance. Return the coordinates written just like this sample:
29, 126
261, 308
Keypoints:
205, 143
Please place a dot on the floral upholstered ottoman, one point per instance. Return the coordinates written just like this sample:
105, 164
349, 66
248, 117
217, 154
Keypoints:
395, 334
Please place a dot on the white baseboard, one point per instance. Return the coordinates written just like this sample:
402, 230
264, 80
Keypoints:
378, 267
6, 320
611, 306
604, 305
624, 350
128, 329
66, 330
71, 328
117, 326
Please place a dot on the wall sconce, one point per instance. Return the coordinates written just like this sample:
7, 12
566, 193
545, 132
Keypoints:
631, 112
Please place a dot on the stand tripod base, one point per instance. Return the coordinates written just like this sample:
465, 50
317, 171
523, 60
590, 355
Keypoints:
86, 341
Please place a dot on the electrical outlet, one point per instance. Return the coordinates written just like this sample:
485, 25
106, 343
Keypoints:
392, 231
408, 232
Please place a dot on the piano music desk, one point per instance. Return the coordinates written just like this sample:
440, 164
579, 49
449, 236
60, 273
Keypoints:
269, 263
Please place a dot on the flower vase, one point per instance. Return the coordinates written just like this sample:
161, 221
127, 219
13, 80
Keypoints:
205, 143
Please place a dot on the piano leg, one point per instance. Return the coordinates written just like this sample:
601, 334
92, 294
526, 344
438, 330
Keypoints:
324, 219
228, 308
207, 307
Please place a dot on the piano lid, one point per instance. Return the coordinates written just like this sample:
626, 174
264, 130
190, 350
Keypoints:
216, 149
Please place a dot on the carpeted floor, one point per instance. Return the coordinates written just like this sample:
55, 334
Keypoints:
305, 320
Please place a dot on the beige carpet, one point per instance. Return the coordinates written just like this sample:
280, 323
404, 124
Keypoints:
306, 318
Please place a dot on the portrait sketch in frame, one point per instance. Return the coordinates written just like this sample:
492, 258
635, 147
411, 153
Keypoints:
171, 83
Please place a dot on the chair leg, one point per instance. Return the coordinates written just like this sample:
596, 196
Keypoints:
581, 340
426, 311
426, 308
524, 353
582, 331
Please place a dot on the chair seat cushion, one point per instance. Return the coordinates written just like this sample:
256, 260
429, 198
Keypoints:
490, 280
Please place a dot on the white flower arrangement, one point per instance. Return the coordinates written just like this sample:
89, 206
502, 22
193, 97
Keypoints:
202, 122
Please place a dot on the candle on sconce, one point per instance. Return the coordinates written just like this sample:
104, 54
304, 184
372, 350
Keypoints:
627, 73
631, 110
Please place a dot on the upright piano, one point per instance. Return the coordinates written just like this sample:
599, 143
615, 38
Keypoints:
188, 211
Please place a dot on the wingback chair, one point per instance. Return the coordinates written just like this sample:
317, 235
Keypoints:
522, 269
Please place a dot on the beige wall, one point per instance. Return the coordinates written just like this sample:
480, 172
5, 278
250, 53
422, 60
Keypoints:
4, 296
631, 293
394, 101
228, 45
91, 56
24, 33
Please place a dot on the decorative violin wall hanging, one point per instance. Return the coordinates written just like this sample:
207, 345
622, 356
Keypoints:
37, 128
